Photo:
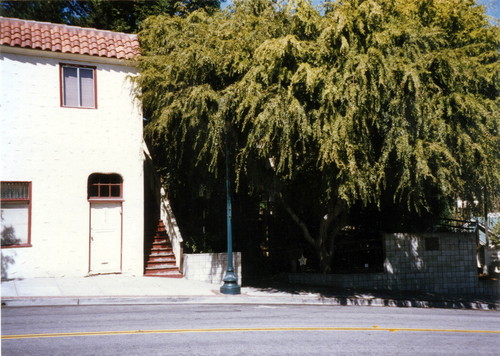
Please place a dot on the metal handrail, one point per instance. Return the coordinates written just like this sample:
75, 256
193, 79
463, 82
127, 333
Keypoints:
461, 226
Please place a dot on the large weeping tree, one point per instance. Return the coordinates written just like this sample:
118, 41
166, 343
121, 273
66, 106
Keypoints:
115, 15
365, 100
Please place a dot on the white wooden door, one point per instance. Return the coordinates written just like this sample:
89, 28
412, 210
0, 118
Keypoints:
105, 237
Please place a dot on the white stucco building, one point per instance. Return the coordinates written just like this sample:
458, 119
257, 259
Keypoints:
72, 175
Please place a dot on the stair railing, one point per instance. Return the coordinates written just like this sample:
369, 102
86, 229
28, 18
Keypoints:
168, 217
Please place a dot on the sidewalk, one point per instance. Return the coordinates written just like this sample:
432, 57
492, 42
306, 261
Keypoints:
120, 289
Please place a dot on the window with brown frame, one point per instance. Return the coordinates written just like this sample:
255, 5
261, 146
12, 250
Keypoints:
78, 87
16, 214
105, 186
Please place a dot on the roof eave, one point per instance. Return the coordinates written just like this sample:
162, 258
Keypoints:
68, 56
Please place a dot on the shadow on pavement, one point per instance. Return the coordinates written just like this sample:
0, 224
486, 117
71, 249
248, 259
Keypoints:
404, 299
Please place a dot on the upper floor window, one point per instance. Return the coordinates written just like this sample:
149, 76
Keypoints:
15, 214
78, 86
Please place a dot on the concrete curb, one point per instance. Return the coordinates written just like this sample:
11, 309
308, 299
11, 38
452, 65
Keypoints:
245, 299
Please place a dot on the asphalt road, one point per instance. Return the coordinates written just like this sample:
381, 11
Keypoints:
247, 330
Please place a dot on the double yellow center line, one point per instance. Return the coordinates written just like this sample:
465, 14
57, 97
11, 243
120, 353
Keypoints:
219, 330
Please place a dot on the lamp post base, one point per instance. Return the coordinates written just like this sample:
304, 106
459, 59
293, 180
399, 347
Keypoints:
230, 285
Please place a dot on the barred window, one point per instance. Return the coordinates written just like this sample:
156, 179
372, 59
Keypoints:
16, 214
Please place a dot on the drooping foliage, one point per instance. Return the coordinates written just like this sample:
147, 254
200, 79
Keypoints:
368, 102
123, 16
46, 11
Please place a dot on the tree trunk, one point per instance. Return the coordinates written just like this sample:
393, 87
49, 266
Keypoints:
325, 259
324, 242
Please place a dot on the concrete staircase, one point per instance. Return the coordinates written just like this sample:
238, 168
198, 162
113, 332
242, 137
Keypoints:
161, 261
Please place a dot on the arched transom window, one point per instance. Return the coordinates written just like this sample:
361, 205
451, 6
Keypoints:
105, 186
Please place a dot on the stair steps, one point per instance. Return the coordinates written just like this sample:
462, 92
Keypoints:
161, 261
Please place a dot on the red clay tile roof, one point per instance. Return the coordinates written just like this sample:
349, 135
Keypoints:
67, 39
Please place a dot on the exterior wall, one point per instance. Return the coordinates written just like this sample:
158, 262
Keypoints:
409, 267
210, 267
57, 148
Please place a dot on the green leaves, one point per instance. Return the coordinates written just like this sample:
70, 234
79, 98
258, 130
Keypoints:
377, 96
121, 16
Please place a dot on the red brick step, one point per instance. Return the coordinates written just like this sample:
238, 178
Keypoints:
161, 261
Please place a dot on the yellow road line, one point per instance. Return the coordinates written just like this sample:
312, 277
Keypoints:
216, 330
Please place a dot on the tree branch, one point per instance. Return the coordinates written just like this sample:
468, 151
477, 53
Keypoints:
299, 222
336, 215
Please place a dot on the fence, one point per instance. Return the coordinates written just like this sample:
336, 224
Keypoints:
431, 262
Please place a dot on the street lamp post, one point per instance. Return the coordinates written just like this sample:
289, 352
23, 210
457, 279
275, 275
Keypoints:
230, 285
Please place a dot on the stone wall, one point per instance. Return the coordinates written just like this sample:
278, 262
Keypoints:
210, 267
431, 262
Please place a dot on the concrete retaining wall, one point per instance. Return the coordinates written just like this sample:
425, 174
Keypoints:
446, 265
210, 267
